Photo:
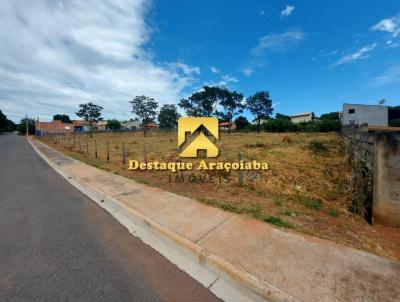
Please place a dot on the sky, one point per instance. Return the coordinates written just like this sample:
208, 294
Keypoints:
309, 55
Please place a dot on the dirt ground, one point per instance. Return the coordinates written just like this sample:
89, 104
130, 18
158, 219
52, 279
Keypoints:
306, 188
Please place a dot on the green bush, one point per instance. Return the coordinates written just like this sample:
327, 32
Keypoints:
278, 222
279, 125
395, 123
22, 126
113, 125
317, 146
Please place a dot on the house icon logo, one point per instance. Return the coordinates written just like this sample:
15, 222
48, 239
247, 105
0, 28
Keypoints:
198, 126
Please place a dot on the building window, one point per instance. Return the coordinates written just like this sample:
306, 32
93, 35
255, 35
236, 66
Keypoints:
351, 111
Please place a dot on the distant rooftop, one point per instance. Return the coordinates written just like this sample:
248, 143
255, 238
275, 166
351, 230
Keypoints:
302, 114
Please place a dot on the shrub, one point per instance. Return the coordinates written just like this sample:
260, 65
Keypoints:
333, 213
313, 204
279, 125
395, 123
287, 139
317, 146
278, 222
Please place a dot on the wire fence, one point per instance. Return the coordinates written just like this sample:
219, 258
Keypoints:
125, 147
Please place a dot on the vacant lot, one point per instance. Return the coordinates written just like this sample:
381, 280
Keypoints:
306, 188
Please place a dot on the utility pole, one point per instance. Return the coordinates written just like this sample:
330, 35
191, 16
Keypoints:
26, 122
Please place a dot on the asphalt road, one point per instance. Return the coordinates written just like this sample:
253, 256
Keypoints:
57, 245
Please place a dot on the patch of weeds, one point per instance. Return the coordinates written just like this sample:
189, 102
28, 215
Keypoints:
222, 205
256, 145
340, 185
317, 146
277, 201
287, 212
278, 222
313, 204
142, 181
277, 154
333, 213
328, 171
255, 210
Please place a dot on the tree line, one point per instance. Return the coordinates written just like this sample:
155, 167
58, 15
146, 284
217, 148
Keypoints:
215, 101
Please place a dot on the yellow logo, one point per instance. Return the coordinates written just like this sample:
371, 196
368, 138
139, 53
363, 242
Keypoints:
192, 125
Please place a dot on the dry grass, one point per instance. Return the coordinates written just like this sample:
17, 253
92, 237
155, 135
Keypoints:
304, 189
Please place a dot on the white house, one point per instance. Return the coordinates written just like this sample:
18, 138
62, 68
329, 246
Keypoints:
358, 114
101, 125
130, 125
302, 117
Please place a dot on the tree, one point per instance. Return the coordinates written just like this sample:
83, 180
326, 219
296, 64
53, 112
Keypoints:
113, 124
3, 122
202, 103
145, 108
63, 118
332, 116
280, 116
168, 117
231, 103
22, 126
260, 105
91, 113
241, 122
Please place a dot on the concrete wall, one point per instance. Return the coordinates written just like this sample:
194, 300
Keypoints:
373, 115
386, 202
375, 174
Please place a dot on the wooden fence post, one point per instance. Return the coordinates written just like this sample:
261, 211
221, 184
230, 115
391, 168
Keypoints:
108, 152
87, 147
80, 145
123, 153
145, 154
240, 171
95, 148
74, 144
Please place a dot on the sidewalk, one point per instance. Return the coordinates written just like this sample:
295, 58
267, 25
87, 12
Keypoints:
269, 262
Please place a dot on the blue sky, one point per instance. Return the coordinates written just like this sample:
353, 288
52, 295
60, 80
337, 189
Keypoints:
310, 55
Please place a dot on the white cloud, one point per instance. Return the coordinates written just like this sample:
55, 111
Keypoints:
225, 80
228, 78
389, 25
289, 9
392, 75
360, 54
55, 55
278, 42
214, 70
271, 43
186, 69
247, 71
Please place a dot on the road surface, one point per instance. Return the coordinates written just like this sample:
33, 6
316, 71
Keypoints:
57, 245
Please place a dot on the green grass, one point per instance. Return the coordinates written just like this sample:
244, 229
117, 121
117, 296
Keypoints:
142, 181
278, 222
222, 205
277, 201
317, 146
312, 204
255, 210
333, 213
287, 212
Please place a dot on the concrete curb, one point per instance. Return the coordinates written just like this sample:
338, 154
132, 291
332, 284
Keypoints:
221, 277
